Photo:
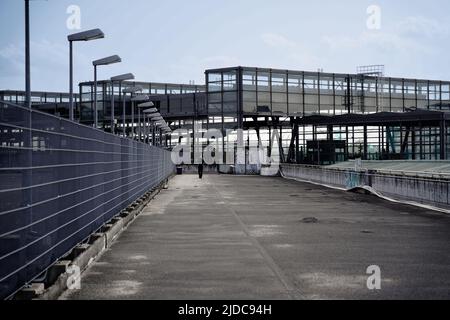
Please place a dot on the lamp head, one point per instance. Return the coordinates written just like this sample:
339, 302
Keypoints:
151, 110
146, 105
133, 89
155, 115
123, 77
88, 35
140, 98
107, 60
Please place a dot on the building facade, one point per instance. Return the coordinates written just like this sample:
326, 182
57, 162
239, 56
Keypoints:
340, 116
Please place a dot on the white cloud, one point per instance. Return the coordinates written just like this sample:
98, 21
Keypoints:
377, 42
422, 26
11, 51
42, 52
409, 36
12, 58
48, 62
192, 68
277, 40
289, 54
219, 62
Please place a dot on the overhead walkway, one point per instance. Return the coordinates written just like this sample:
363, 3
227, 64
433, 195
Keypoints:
228, 237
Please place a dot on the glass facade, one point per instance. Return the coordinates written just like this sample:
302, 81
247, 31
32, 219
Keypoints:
269, 98
260, 100
300, 93
173, 101
56, 103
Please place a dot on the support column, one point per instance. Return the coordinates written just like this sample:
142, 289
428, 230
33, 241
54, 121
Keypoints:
388, 137
330, 133
365, 152
442, 139
297, 143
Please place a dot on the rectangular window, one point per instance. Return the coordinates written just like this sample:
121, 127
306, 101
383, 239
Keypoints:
249, 99
422, 95
249, 80
229, 81
279, 82
230, 103
264, 105
295, 83
445, 96
214, 77
295, 104
214, 82
279, 103
263, 81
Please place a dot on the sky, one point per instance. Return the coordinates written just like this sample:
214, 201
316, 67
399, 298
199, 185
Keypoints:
177, 40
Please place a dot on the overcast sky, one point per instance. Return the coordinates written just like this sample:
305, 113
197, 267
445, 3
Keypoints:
176, 40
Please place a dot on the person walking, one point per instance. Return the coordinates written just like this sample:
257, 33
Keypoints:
200, 170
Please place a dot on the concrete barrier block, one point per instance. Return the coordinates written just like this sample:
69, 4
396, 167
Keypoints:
55, 271
112, 233
84, 259
128, 219
94, 237
31, 292
55, 291
77, 251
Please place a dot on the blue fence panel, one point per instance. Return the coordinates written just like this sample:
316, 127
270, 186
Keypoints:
59, 183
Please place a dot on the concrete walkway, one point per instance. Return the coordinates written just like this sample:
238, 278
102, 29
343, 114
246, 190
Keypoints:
228, 237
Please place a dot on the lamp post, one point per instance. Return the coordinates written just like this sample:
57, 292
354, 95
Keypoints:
145, 105
89, 35
130, 90
139, 98
119, 79
155, 119
151, 114
96, 63
166, 131
27, 56
160, 125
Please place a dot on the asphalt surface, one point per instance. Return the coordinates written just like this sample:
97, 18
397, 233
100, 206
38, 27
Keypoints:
228, 237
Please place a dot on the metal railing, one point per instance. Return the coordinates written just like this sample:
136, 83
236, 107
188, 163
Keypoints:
59, 183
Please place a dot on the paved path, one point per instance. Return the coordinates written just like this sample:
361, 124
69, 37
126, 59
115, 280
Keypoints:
228, 237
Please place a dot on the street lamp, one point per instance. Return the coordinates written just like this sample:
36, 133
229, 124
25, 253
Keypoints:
96, 63
89, 35
155, 119
166, 131
157, 126
150, 114
139, 98
142, 97
27, 56
119, 79
142, 106
131, 91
